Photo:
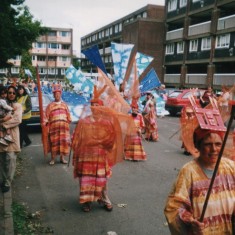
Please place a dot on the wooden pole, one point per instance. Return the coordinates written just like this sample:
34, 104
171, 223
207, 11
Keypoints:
217, 163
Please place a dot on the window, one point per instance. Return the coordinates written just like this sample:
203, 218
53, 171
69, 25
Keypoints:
120, 27
53, 45
52, 71
206, 44
41, 58
107, 32
18, 57
63, 58
65, 47
110, 30
145, 14
51, 58
183, 3
180, 47
222, 41
116, 28
170, 49
64, 34
52, 33
172, 4
3, 70
193, 45
42, 71
40, 45
62, 71
15, 70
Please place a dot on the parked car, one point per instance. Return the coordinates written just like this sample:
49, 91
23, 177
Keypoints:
35, 118
179, 98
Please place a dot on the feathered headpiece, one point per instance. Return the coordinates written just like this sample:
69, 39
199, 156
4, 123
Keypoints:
96, 95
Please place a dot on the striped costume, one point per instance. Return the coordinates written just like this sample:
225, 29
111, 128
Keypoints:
58, 118
188, 195
133, 147
93, 142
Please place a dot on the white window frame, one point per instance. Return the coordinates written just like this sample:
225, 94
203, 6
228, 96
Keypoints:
15, 70
170, 49
193, 45
4, 70
52, 71
180, 47
42, 71
183, 3
223, 41
206, 44
62, 71
172, 5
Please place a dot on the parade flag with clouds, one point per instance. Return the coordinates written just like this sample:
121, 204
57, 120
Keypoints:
120, 55
93, 55
28, 72
78, 80
142, 62
150, 81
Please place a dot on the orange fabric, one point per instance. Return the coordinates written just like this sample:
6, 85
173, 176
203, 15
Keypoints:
107, 134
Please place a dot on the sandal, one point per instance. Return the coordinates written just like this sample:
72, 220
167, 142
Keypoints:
86, 207
107, 206
52, 162
63, 162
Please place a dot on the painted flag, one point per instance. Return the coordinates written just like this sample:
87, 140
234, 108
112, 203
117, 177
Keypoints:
93, 55
150, 81
142, 62
120, 55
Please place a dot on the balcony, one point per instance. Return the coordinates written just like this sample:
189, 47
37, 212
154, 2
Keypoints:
172, 78
174, 34
227, 79
199, 79
226, 22
199, 28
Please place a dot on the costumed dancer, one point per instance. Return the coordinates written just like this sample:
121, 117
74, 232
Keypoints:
185, 203
58, 119
133, 147
150, 119
97, 146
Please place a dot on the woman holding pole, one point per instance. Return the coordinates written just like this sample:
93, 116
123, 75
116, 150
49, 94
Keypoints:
202, 200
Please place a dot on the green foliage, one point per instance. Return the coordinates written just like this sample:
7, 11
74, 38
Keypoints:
18, 30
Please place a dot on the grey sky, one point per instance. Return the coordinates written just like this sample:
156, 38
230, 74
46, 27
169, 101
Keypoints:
84, 16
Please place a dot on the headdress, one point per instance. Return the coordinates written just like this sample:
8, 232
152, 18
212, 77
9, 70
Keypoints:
204, 121
96, 95
56, 88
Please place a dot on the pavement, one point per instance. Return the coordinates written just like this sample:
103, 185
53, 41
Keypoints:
6, 224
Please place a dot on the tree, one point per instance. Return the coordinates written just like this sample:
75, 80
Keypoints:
18, 30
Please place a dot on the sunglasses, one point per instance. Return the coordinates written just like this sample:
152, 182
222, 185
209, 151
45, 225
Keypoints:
11, 93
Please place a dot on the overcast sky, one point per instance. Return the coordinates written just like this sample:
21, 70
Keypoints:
83, 16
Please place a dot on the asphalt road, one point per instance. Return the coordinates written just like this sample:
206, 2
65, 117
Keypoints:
138, 190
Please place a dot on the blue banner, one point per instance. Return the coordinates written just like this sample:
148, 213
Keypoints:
93, 55
150, 81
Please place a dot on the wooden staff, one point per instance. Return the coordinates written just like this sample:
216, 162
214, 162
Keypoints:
217, 163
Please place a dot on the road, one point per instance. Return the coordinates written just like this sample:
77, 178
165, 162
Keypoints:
142, 188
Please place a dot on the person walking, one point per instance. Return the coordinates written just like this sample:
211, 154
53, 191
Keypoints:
9, 153
133, 147
97, 147
25, 100
185, 202
58, 119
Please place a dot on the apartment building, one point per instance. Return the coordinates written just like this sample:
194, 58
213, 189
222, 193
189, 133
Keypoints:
199, 43
144, 28
53, 53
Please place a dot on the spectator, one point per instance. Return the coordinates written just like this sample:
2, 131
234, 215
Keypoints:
25, 100
9, 153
